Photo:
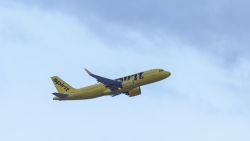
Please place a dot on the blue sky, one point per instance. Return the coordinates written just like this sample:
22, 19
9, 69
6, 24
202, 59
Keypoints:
203, 43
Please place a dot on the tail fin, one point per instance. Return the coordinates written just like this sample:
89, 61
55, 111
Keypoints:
61, 86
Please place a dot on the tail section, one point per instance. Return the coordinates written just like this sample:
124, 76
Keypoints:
61, 86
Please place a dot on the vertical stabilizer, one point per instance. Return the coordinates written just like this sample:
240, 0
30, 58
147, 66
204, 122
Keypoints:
62, 86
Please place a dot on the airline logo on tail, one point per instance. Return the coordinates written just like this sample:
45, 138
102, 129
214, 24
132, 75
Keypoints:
57, 82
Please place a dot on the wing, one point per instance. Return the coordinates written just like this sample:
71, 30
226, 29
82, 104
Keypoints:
109, 83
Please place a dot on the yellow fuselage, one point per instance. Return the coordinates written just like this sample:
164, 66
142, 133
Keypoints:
128, 82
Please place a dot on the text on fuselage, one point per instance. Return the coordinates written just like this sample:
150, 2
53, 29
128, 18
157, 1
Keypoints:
135, 77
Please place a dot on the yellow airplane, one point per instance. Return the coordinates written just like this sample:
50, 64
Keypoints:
129, 85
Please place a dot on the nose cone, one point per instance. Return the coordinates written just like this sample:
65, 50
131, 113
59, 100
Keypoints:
166, 74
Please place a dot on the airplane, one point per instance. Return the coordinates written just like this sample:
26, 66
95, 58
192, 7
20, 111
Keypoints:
128, 85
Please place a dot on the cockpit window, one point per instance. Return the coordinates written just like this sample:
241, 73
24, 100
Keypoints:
160, 70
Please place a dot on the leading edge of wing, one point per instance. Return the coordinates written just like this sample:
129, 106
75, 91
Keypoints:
109, 83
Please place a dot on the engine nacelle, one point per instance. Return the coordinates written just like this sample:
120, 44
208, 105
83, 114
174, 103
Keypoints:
134, 92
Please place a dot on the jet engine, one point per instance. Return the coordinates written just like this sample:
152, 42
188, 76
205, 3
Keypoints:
134, 92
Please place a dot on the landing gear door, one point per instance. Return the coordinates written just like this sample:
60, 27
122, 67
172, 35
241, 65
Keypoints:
133, 83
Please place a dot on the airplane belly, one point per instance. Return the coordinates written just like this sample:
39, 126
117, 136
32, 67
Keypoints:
88, 94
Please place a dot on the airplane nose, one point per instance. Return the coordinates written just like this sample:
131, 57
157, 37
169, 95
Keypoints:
167, 74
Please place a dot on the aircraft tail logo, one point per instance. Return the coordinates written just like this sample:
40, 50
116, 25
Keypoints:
62, 86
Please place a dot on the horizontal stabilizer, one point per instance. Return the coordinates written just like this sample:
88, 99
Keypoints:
60, 95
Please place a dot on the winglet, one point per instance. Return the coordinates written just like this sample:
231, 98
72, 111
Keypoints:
88, 71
